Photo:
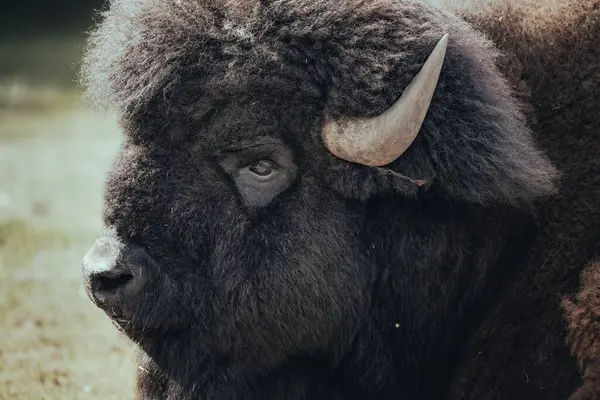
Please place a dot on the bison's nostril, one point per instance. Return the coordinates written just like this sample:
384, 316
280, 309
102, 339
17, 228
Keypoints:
109, 286
114, 273
112, 283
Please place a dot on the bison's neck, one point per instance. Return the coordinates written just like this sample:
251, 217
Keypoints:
552, 58
440, 263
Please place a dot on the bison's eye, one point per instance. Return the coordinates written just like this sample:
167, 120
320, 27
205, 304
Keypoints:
261, 172
262, 168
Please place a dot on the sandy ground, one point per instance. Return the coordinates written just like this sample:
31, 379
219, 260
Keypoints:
54, 344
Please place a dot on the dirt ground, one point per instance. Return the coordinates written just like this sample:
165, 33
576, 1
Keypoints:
54, 344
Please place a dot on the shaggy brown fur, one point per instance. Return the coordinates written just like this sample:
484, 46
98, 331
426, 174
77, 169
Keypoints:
583, 335
548, 48
552, 57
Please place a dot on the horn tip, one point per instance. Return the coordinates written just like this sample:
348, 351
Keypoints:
444, 41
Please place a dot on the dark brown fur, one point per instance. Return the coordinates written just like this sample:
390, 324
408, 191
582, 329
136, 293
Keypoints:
552, 57
377, 287
583, 335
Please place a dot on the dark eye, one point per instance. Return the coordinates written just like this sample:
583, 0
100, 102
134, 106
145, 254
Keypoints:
262, 168
260, 172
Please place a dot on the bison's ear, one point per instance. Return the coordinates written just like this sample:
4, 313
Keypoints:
474, 143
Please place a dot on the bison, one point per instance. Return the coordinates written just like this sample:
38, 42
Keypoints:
349, 199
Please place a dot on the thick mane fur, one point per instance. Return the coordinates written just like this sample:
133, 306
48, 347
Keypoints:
354, 57
547, 47
551, 56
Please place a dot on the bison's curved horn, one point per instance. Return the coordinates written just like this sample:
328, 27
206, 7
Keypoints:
380, 140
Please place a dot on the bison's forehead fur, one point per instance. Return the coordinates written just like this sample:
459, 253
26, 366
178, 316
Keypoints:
161, 62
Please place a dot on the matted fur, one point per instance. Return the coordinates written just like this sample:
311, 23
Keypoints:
583, 335
374, 284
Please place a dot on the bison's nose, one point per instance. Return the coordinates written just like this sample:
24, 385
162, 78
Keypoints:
112, 273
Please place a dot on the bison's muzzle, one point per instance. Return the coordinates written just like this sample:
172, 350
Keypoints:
114, 275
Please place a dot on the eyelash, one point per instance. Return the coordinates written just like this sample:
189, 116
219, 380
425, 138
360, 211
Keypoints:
250, 159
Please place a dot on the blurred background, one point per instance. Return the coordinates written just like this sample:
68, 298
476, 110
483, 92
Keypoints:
54, 155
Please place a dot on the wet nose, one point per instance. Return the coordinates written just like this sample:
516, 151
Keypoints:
110, 274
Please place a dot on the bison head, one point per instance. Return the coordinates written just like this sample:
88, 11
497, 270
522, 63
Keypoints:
274, 222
